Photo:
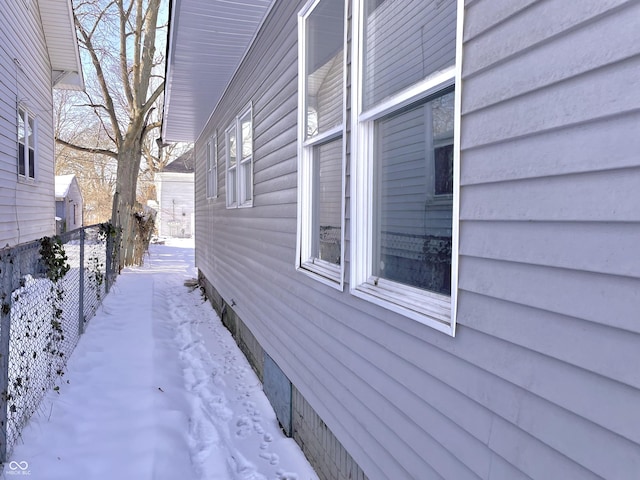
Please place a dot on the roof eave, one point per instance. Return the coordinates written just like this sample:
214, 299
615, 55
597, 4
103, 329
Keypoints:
62, 44
179, 123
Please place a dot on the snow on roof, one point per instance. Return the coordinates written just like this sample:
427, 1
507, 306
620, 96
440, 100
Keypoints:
63, 182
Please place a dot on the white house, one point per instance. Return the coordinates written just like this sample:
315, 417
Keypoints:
69, 203
175, 194
420, 220
38, 52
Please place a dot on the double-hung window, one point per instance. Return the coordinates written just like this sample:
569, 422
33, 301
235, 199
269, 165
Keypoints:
403, 171
26, 144
321, 27
212, 167
239, 160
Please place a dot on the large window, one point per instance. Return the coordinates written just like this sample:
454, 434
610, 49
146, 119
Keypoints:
403, 153
212, 167
320, 139
239, 147
26, 144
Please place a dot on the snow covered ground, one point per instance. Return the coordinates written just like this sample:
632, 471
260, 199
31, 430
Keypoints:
157, 389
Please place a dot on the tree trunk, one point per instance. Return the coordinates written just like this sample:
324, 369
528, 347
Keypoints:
128, 216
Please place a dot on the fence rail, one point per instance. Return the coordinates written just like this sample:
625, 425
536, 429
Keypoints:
49, 290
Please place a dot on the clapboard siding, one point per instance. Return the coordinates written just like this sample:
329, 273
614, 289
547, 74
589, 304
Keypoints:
593, 196
507, 320
540, 380
548, 268
552, 153
28, 81
602, 299
617, 36
496, 39
611, 245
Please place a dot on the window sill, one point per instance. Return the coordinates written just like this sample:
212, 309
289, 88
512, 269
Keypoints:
429, 308
26, 180
323, 272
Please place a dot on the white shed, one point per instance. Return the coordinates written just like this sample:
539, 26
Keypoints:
69, 203
174, 189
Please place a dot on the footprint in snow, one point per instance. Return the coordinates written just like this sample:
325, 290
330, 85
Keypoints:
244, 425
272, 458
267, 439
282, 475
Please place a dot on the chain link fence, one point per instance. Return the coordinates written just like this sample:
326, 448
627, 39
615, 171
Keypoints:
49, 290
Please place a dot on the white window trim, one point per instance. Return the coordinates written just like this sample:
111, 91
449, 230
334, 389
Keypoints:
227, 144
240, 185
242, 162
324, 272
27, 115
212, 167
429, 308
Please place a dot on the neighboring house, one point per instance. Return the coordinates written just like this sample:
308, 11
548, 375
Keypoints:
420, 219
69, 204
38, 52
174, 190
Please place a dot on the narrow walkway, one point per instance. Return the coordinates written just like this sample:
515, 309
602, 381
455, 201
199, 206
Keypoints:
157, 389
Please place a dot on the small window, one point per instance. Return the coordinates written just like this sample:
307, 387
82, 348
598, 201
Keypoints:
239, 146
403, 173
212, 167
320, 140
26, 144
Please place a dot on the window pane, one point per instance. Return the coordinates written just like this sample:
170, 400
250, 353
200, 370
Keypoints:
21, 169
412, 196
30, 131
32, 163
231, 145
324, 68
231, 186
423, 30
247, 135
21, 137
247, 181
208, 170
327, 201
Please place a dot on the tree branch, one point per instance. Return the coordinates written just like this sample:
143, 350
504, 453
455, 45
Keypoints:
148, 50
79, 148
101, 79
147, 128
124, 68
154, 96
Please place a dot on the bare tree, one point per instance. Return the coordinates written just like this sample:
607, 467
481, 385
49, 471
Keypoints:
118, 38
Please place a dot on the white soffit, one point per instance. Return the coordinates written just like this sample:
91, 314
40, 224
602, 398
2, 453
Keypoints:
207, 42
62, 43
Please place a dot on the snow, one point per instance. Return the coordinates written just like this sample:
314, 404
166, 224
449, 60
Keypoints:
157, 389
62, 184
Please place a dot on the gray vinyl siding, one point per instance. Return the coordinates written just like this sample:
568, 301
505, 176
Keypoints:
549, 268
541, 380
27, 207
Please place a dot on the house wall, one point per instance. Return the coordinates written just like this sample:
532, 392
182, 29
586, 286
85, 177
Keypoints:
541, 380
175, 198
27, 208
